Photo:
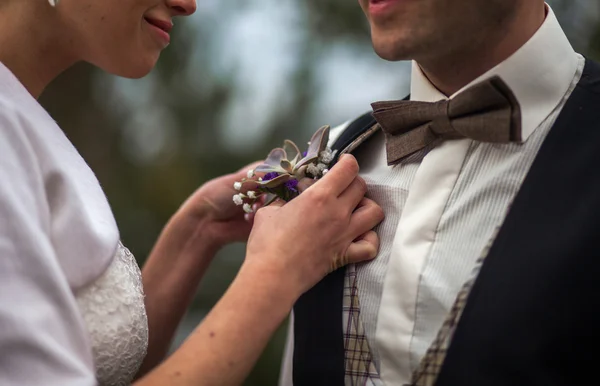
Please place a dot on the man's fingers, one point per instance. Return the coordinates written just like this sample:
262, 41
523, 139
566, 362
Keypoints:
340, 176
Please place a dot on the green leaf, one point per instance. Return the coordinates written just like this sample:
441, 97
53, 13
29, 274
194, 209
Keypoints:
318, 143
264, 168
270, 199
300, 172
287, 166
305, 161
275, 157
292, 151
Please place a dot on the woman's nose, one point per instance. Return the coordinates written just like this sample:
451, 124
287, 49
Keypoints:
182, 7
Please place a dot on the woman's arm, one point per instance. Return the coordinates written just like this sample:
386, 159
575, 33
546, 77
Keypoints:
226, 345
290, 249
170, 278
207, 221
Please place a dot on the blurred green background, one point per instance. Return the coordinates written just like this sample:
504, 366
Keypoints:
239, 77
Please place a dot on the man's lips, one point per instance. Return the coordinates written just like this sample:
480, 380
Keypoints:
378, 7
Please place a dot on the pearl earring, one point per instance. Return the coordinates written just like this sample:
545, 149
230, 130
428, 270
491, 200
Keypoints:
53, 3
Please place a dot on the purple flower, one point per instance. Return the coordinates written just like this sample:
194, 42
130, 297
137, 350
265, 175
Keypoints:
304, 153
270, 176
292, 185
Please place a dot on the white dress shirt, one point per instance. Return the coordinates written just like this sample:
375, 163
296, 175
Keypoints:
443, 203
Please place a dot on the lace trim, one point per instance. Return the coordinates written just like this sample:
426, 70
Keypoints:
114, 312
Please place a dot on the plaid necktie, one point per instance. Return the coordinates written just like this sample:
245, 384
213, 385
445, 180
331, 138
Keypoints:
360, 369
486, 112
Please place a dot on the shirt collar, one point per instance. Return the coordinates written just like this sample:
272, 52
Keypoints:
539, 74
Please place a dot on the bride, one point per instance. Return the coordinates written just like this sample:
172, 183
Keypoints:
74, 307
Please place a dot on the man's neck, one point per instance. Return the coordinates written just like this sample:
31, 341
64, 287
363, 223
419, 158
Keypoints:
449, 73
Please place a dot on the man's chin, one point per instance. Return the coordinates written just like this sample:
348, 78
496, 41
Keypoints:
392, 51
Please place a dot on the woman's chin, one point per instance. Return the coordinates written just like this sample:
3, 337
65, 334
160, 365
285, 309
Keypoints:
134, 68
137, 71
135, 74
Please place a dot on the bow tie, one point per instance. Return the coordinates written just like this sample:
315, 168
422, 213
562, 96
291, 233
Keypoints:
486, 112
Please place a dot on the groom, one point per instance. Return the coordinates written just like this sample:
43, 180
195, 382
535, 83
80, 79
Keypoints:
489, 264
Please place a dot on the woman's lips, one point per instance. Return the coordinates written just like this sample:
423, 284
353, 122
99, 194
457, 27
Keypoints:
161, 29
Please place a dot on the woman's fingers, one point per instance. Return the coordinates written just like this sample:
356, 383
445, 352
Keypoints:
305, 183
339, 177
277, 203
243, 171
326, 227
260, 202
365, 217
364, 248
352, 196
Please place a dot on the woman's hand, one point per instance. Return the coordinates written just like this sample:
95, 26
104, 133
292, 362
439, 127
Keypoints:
212, 208
329, 225
290, 249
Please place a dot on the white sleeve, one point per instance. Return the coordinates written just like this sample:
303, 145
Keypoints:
42, 336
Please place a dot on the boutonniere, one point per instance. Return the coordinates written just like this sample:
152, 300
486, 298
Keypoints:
283, 168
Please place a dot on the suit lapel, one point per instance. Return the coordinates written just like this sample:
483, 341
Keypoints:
318, 329
354, 131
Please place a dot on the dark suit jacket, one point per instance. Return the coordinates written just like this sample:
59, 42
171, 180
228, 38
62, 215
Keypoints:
533, 316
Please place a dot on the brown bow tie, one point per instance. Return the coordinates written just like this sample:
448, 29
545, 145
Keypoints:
486, 112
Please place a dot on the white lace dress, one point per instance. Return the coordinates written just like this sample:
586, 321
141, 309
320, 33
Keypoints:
115, 316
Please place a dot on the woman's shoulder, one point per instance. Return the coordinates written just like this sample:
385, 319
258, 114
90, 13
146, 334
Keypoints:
43, 172
18, 133
38, 146
19, 159
24, 164
11, 117
26, 168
